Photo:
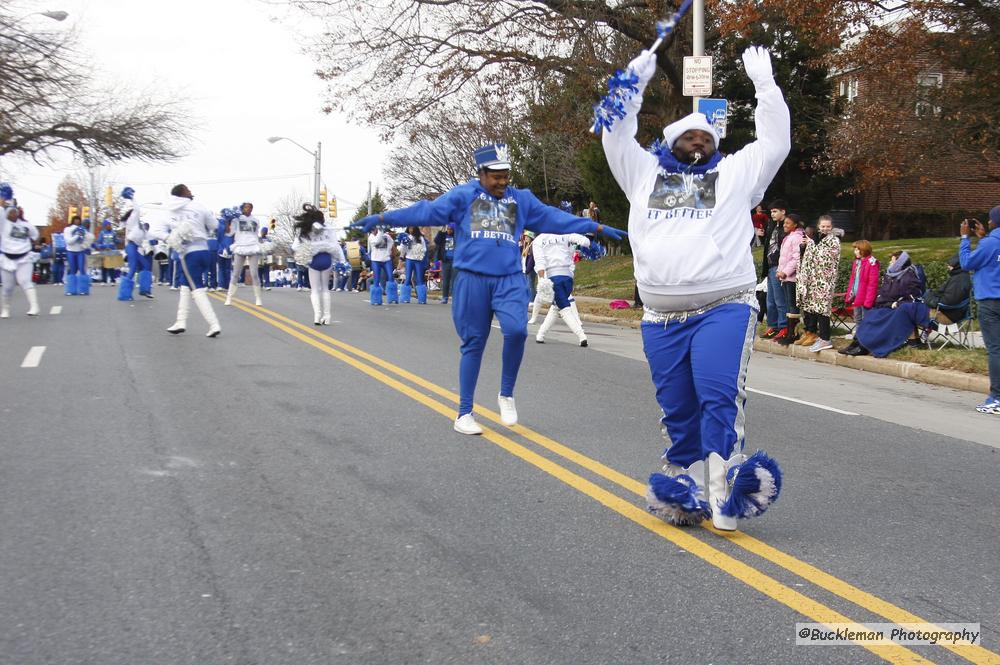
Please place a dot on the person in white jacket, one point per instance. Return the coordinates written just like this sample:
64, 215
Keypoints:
17, 260
554, 260
414, 250
316, 246
138, 252
690, 231
245, 231
78, 241
190, 226
380, 245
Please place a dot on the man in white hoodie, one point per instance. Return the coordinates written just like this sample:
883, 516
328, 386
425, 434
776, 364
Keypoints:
191, 224
690, 231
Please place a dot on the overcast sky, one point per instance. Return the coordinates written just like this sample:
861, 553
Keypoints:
238, 64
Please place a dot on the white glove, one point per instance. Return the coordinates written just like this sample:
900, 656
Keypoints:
643, 66
757, 61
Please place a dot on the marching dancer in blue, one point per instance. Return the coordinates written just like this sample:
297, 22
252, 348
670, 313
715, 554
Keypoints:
489, 216
138, 251
316, 246
690, 229
380, 245
413, 248
78, 241
191, 225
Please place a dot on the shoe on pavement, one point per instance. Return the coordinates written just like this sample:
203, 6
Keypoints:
467, 425
819, 345
991, 405
508, 412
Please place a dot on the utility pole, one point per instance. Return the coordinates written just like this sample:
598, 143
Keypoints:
369, 197
697, 36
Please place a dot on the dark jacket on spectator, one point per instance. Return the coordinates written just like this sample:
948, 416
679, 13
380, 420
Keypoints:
905, 286
771, 262
956, 289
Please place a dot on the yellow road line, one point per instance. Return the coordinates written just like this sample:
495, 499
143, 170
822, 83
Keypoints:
765, 584
836, 586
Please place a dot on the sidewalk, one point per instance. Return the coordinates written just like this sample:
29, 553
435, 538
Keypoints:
904, 370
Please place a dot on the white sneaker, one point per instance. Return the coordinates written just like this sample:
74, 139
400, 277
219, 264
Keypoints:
819, 345
508, 412
467, 425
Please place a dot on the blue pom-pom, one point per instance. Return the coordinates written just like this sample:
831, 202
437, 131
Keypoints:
676, 500
756, 485
128, 193
6, 191
404, 239
594, 252
622, 86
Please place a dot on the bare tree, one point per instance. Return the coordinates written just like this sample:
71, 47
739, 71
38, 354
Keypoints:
50, 102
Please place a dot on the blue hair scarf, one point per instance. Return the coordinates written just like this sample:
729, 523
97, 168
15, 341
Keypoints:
670, 163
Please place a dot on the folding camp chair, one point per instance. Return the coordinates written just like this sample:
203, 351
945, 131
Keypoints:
842, 314
958, 333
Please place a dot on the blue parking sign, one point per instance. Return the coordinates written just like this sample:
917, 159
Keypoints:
716, 111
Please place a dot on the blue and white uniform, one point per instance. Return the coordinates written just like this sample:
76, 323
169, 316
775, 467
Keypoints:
78, 242
554, 259
245, 231
17, 260
190, 226
139, 253
380, 245
690, 231
320, 250
415, 252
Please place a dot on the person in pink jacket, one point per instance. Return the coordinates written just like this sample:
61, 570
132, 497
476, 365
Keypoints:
788, 269
862, 285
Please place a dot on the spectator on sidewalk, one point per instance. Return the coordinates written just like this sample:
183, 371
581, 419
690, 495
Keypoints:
759, 219
947, 299
777, 308
816, 283
985, 262
789, 258
899, 311
444, 247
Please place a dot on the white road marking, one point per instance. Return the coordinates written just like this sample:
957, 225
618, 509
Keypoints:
56, 309
34, 357
801, 401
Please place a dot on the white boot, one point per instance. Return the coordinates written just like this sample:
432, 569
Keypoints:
536, 306
230, 292
317, 310
205, 308
256, 295
32, 296
326, 308
572, 320
550, 318
183, 308
718, 492
4, 306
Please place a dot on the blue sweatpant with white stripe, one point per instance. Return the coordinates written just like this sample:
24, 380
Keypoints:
476, 298
699, 369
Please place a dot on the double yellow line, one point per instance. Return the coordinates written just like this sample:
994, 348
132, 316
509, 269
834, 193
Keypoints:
373, 366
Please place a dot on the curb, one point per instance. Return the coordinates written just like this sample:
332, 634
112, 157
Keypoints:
898, 368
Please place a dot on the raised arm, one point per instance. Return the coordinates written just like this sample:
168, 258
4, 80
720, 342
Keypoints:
627, 159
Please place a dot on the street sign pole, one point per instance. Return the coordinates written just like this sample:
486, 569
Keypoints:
698, 36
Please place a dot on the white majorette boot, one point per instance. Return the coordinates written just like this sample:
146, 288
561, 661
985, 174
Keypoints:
231, 291
550, 318
466, 424
32, 296
718, 492
326, 308
572, 319
536, 306
256, 295
205, 308
508, 412
317, 310
183, 308
4, 306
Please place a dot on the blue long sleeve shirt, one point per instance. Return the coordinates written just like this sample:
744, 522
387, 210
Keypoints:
985, 262
487, 228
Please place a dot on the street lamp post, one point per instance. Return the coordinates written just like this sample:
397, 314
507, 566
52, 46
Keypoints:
317, 161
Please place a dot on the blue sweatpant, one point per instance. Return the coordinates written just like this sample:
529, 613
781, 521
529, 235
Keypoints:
382, 272
476, 299
77, 263
699, 369
414, 273
196, 267
562, 290
137, 261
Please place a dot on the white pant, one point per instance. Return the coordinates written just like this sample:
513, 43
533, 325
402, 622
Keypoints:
21, 276
318, 279
238, 261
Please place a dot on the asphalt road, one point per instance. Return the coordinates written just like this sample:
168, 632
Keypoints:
287, 494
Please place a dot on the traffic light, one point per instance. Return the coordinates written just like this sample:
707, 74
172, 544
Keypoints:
322, 199
71, 214
109, 197
274, 223
86, 212
333, 207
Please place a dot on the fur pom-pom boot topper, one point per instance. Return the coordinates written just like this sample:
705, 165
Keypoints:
753, 486
675, 496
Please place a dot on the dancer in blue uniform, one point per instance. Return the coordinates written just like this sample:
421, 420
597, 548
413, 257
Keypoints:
489, 216
78, 241
138, 251
690, 231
